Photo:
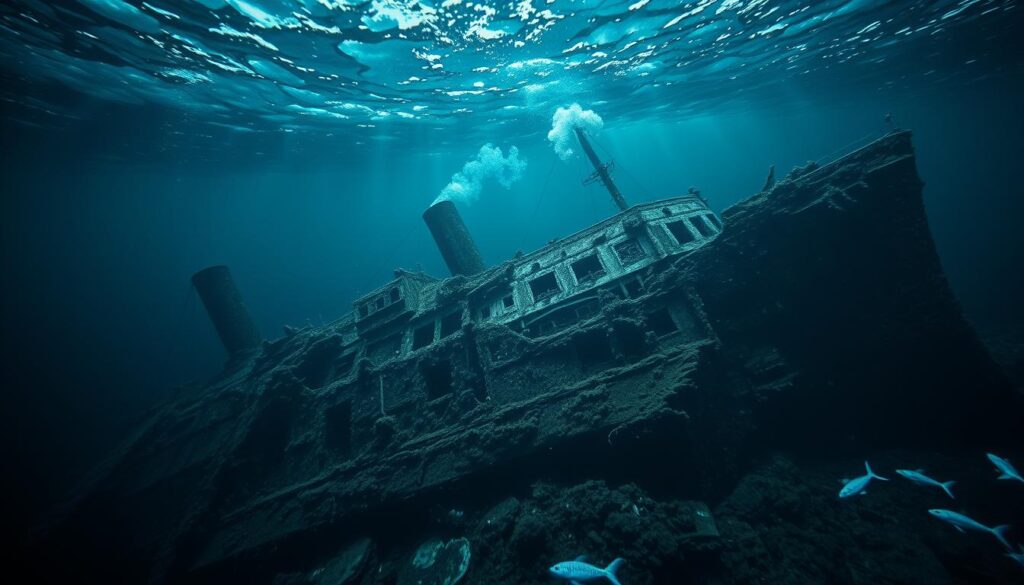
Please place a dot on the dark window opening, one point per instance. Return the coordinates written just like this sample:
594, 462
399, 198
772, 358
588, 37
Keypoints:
629, 252
485, 312
544, 326
634, 288
544, 287
661, 323
631, 341
702, 226
378, 303
364, 310
450, 324
437, 378
593, 348
588, 269
563, 318
714, 221
680, 232
338, 428
688, 323
423, 336
508, 302
394, 295
479, 388
666, 211
384, 349
269, 432
318, 365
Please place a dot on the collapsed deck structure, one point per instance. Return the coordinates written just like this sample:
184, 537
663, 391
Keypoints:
663, 346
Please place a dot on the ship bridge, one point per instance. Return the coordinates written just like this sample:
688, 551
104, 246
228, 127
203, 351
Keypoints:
539, 293
528, 292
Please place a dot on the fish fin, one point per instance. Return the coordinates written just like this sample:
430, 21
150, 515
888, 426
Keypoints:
1000, 533
1005, 476
948, 486
919, 471
611, 568
575, 583
962, 531
872, 473
581, 559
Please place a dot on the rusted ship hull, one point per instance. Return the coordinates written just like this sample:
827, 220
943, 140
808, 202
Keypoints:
817, 321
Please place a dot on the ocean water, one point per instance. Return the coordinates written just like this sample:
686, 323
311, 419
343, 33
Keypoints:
298, 142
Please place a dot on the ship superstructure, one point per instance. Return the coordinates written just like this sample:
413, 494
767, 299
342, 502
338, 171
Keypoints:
537, 293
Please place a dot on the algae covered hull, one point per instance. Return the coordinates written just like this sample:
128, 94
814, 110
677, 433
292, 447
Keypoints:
663, 351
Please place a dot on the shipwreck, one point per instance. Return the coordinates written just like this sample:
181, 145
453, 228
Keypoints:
665, 347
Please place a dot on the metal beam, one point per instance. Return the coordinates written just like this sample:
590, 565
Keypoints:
601, 170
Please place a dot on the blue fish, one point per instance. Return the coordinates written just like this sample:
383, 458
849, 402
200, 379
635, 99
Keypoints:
577, 572
857, 485
963, 524
918, 476
1004, 466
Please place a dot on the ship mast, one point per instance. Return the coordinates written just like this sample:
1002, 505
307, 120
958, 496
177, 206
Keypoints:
601, 170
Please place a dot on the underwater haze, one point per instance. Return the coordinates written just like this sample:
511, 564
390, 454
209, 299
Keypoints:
299, 142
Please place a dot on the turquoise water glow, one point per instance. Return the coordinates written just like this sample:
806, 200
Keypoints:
382, 68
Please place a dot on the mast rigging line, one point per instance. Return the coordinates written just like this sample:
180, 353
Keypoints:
540, 199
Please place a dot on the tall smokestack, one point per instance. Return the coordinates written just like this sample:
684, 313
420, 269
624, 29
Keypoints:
453, 239
224, 304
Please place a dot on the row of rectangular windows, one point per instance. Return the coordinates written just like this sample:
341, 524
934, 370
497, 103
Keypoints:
424, 335
590, 268
586, 270
438, 378
382, 300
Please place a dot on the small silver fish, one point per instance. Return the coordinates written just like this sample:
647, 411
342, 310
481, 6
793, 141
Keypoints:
1005, 467
963, 523
577, 572
918, 476
857, 485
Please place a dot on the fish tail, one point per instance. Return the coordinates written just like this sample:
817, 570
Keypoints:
872, 473
948, 486
1000, 533
611, 568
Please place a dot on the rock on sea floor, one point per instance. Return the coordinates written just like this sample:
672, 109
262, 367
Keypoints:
781, 523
